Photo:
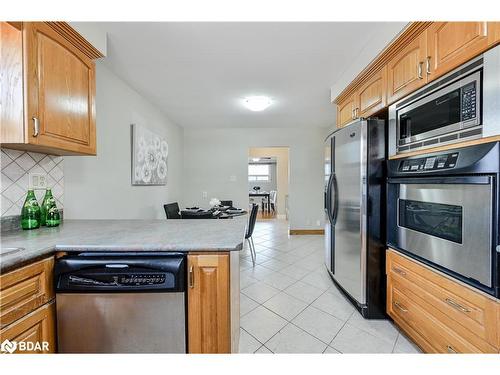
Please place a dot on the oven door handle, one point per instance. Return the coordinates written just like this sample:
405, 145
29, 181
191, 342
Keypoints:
470, 180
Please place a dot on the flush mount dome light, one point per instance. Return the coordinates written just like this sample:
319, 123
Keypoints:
257, 103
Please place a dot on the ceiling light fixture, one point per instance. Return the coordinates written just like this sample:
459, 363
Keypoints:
257, 103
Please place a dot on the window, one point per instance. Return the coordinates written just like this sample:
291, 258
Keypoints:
259, 172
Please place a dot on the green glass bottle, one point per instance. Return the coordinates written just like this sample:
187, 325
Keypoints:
53, 217
30, 213
48, 202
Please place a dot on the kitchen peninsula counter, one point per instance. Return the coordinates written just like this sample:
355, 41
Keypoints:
22, 247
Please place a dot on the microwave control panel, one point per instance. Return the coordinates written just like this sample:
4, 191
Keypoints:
468, 108
430, 163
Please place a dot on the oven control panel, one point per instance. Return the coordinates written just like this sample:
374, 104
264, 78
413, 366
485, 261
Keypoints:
430, 163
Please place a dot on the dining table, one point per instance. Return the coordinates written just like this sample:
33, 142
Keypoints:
224, 213
263, 195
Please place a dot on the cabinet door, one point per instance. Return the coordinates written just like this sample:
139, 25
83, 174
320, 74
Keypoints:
208, 303
11, 84
493, 33
451, 44
345, 111
405, 71
25, 289
60, 90
37, 328
372, 95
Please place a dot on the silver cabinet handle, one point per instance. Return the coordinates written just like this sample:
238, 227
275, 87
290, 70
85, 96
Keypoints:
399, 271
356, 112
450, 349
419, 70
400, 307
456, 305
428, 65
191, 277
36, 126
353, 113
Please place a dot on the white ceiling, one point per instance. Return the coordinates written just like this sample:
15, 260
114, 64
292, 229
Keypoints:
198, 73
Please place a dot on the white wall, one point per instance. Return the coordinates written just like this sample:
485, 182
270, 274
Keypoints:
99, 187
380, 38
215, 161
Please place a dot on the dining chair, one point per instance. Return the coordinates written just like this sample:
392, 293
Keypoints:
248, 236
272, 199
172, 210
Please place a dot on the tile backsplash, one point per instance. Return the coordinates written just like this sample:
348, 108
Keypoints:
15, 166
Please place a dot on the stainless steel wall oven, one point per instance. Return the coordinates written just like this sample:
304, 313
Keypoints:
443, 209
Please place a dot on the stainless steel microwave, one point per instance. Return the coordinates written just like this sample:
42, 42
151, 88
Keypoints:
462, 105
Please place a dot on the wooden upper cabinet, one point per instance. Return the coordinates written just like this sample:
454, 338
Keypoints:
406, 70
58, 95
372, 95
346, 110
451, 44
208, 303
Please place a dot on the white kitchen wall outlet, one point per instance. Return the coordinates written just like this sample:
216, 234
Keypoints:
37, 181
204, 195
232, 178
318, 223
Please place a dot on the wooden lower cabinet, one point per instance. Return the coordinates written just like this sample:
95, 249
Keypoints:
35, 332
440, 314
25, 289
209, 323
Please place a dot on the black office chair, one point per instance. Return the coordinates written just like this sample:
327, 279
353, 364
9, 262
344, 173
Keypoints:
172, 210
251, 225
226, 203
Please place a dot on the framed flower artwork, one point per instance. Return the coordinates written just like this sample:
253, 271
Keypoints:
149, 157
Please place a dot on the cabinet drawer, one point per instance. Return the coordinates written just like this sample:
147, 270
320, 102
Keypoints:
37, 328
469, 313
25, 289
440, 337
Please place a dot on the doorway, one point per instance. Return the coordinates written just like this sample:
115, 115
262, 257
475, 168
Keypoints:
268, 181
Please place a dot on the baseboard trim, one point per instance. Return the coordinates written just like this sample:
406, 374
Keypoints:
306, 231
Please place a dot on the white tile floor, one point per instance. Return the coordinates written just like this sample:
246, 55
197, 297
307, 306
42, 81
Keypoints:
289, 303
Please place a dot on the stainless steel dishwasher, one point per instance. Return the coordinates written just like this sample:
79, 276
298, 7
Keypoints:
121, 303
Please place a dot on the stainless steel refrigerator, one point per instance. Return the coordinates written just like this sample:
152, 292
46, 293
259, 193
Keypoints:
355, 213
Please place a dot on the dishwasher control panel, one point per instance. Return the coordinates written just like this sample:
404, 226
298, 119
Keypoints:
120, 273
127, 279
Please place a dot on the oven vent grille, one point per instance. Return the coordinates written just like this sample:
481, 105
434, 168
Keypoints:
416, 145
448, 138
431, 142
471, 133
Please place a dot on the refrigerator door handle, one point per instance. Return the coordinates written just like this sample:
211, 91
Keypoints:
335, 209
328, 204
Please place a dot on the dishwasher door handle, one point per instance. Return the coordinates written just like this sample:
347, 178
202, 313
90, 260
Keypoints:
191, 277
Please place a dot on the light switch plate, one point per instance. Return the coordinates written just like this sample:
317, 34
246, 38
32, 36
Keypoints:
204, 194
38, 181
232, 178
